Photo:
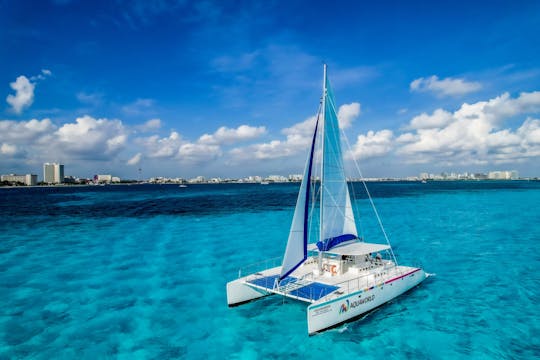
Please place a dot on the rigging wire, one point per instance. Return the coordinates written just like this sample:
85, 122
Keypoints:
370, 199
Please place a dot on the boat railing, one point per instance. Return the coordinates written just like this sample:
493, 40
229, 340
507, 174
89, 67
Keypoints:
259, 266
366, 281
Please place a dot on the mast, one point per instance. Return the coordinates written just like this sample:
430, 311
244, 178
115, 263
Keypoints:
323, 123
322, 151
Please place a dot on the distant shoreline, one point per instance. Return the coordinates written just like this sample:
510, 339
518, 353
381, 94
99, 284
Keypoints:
258, 183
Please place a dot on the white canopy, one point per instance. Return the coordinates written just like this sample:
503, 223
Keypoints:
353, 249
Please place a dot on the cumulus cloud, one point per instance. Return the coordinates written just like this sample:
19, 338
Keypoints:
225, 135
373, 144
438, 119
24, 94
24, 91
298, 137
150, 125
347, 114
88, 137
25, 132
175, 147
473, 134
445, 87
157, 147
197, 153
135, 160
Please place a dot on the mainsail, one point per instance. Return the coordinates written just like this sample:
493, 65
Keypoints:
336, 218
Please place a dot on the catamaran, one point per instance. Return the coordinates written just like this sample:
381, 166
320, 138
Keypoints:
326, 263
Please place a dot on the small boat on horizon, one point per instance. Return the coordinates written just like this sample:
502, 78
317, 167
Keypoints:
326, 264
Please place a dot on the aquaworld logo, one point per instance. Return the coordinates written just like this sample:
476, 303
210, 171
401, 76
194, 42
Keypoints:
346, 306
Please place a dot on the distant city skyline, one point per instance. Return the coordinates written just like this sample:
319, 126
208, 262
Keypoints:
53, 174
223, 89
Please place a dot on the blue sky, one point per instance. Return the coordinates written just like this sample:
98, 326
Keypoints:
223, 88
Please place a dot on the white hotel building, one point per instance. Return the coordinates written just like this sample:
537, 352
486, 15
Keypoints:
53, 173
28, 179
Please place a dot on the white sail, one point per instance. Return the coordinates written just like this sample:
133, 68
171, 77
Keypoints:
337, 218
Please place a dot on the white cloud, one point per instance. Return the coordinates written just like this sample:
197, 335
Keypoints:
25, 132
373, 144
302, 129
272, 150
347, 114
472, 134
530, 131
445, 87
298, 137
225, 135
157, 147
150, 125
135, 160
8, 149
174, 147
88, 137
196, 153
24, 94
439, 118
42, 76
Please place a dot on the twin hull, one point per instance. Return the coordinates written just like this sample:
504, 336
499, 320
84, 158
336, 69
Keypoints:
325, 314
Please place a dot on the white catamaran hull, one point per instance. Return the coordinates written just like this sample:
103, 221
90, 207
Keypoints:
239, 293
327, 314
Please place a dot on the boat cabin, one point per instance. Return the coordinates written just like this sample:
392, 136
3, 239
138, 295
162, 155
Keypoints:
353, 258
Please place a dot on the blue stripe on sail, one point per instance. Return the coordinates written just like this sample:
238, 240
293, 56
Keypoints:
328, 244
306, 203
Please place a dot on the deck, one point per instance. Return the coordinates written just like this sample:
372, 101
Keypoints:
309, 291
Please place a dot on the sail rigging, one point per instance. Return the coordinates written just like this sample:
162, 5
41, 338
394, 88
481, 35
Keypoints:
337, 224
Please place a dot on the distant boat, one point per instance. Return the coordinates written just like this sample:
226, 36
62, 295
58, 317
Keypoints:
182, 186
264, 183
338, 275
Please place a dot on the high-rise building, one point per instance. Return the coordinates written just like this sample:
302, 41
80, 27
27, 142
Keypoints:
53, 173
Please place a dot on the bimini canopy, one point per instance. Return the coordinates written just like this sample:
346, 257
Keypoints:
354, 249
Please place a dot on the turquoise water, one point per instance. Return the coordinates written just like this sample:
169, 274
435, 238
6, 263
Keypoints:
140, 271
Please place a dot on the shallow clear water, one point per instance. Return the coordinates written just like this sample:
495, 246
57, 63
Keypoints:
140, 272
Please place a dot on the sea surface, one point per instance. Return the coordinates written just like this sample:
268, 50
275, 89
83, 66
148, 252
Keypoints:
139, 272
